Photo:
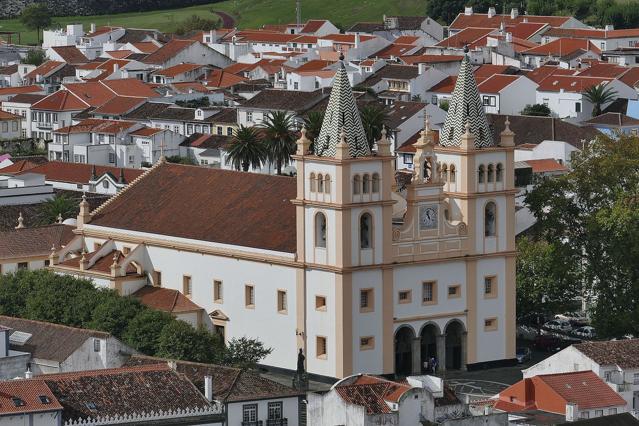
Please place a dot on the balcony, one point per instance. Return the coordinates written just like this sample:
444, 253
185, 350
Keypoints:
44, 125
278, 422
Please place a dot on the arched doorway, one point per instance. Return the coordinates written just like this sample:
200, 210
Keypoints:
404, 351
428, 337
455, 341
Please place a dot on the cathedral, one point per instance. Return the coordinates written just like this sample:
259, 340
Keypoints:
337, 261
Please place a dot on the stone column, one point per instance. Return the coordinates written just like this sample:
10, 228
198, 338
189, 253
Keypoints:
464, 346
441, 352
416, 353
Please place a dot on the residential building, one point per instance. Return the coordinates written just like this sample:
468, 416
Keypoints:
29, 247
27, 188
403, 82
57, 348
21, 105
49, 76
427, 30
172, 302
450, 289
10, 125
69, 54
181, 72
206, 150
507, 94
605, 39
178, 51
567, 51
614, 123
293, 102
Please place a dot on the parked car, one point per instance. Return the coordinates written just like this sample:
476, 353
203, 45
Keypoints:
548, 342
587, 332
558, 325
523, 354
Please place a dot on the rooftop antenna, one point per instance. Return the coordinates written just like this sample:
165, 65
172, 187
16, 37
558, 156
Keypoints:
298, 13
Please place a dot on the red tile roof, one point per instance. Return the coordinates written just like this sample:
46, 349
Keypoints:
630, 77
35, 241
313, 25
591, 33
70, 54
19, 166
119, 54
79, 172
525, 30
101, 30
34, 88
96, 125
497, 82
488, 70
546, 165
223, 79
29, 393
395, 50
119, 105
406, 40
468, 36
445, 86
314, 65
372, 393
544, 71
62, 100
146, 131
623, 353
101, 265
562, 47
583, 388
430, 59
603, 69
178, 69
573, 84
165, 299
8, 116
244, 202
45, 69
130, 87
146, 46
168, 51
483, 20
187, 86
346, 38
265, 36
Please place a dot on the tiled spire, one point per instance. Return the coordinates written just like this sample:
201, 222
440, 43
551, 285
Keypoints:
466, 107
342, 115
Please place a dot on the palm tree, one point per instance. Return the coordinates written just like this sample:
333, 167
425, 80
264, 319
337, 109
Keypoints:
280, 144
313, 123
246, 149
374, 117
60, 205
599, 95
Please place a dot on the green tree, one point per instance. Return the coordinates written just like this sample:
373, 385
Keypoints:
246, 149
591, 217
444, 105
196, 23
114, 313
60, 205
15, 289
143, 331
279, 141
537, 110
178, 340
598, 96
35, 57
36, 16
543, 285
245, 352
313, 123
176, 159
374, 118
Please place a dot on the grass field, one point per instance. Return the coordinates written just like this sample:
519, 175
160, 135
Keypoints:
249, 14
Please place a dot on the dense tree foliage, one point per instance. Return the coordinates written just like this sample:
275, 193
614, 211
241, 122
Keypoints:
374, 118
591, 219
36, 16
62, 299
246, 150
598, 96
279, 141
58, 206
35, 57
538, 110
196, 23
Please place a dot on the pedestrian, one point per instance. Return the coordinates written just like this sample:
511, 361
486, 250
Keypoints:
433, 362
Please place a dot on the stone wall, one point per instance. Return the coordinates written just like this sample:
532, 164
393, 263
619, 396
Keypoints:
13, 8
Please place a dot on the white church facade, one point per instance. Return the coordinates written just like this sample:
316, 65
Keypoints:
323, 262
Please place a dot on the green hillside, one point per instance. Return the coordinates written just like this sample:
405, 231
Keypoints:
249, 14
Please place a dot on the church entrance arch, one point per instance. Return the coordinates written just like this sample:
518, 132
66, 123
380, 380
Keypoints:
455, 345
428, 341
404, 337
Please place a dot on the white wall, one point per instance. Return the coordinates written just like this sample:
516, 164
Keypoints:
289, 410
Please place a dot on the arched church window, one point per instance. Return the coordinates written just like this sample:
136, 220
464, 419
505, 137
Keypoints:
327, 184
481, 174
366, 184
365, 231
452, 178
313, 182
490, 219
320, 183
499, 172
356, 184
375, 183
491, 173
320, 230
444, 173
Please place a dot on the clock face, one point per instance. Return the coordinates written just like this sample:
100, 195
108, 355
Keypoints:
428, 217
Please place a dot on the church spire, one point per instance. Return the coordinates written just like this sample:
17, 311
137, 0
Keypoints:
342, 115
465, 107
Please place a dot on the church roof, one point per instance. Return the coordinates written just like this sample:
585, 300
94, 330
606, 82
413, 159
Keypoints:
466, 107
206, 204
342, 113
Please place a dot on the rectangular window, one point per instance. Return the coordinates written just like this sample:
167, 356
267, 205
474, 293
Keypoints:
249, 116
111, 158
429, 292
612, 411
320, 347
229, 131
598, 413
96, 345
635, 378
404, 296
366, 300
126, 250
219, 130
157, 278
320, 303
585, 415
187, 285
249, 296
366, 343
23, 266
577, 106
218, 295
454, 291
281, 301
490, 287
249, 413
275, 411
408, 158
490, 324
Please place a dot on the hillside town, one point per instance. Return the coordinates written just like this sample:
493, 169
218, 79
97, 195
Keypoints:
402, 222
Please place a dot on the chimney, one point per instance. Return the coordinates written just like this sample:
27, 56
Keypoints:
571, 412
357, 40
421, 68
468, 10
514, 13
116, 67
208, 388
509, 37
92, 27
28, 374
491, 12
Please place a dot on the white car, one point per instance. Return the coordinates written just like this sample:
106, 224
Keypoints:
558, 325
586, 332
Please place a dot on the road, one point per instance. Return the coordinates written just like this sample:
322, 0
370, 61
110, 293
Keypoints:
227, 20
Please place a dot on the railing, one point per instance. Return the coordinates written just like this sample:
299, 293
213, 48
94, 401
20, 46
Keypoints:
44, 125
277, 422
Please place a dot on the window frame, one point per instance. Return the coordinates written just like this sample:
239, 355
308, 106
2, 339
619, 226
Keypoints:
321, 342
408, 299
456, 294
275, 405
218, 291
252, 410
368, 345
433, 300
320, 298
492, 294
369, 294
282, 301
187, 286
249, 296
491, 324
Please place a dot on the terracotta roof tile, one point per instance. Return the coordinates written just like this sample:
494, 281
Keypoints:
603, 69
223, 79
243, 202
130, 87
613, 119
33, 241
546, 165
31, 396
430, 59
562, 47
567, 83
313, 25
119, 105
497, 82
146, 46
4, 115
70, 54
119, 54
346, 38
146, 131
101, 265
165, 299
285, 100
33, 88
62, 100
166, 52
544, 71
45, 69
79, 172
372, 393
483, 20
178, 69
583, 388
624, 353
525, 30
467, 36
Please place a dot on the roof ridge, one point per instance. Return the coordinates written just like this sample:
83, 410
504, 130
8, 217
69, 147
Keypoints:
126, 188
53, 324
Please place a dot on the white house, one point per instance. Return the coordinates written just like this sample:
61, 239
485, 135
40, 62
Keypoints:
179, 51
507, 94
27, 188
10, 125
